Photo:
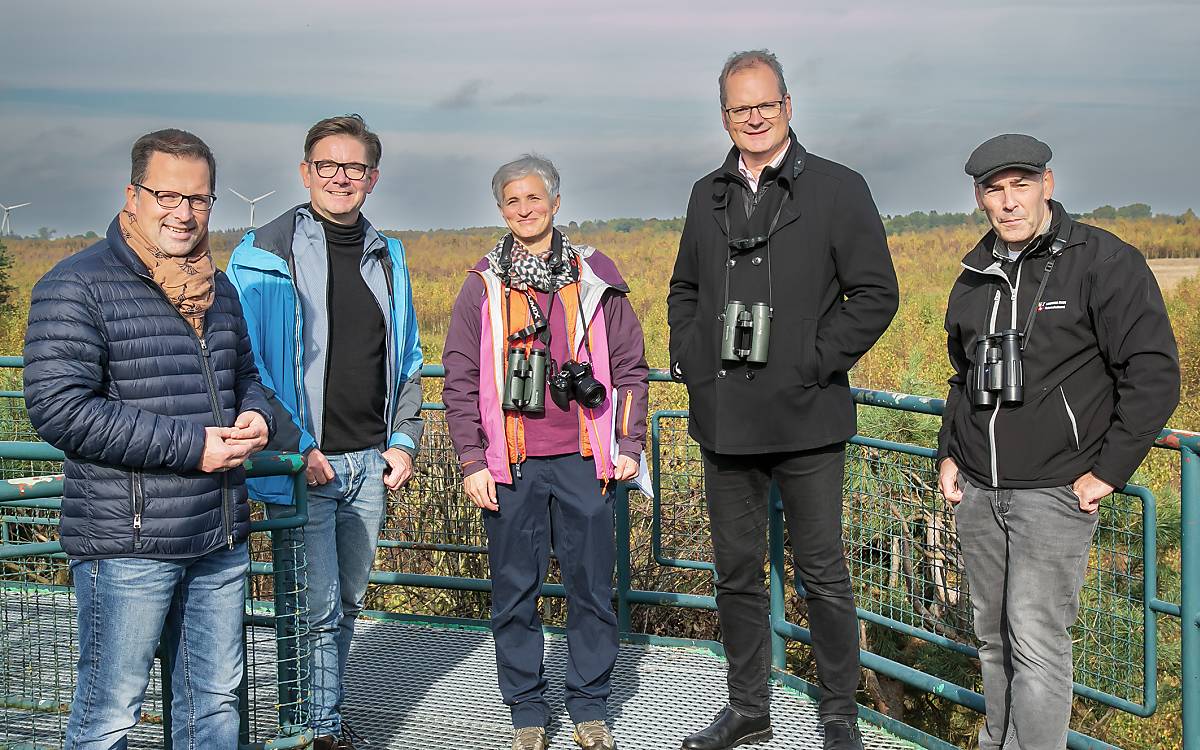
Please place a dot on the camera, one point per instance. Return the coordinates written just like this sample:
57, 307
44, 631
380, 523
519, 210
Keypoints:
575, 381
525, 381
746, 332
998, 371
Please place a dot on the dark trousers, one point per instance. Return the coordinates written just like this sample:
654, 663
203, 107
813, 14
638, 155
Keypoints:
810, 482
557, 501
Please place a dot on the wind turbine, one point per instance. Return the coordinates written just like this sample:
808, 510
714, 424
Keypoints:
5, 224
251, 201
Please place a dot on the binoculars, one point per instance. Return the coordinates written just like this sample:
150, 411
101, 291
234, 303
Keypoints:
525, 381
998, 371
746, 333
575, 381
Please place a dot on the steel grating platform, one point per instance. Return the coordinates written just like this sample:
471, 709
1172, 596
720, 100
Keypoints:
409, 687
425, 687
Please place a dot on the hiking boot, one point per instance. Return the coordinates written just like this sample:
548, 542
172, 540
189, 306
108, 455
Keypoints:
593, 735
529, 738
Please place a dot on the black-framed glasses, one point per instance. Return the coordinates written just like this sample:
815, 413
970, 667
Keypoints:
766, 110
354, 170
171, 199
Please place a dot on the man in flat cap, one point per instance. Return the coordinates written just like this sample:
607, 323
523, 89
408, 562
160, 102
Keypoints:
1065, 370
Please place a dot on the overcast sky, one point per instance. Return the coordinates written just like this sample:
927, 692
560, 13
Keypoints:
621, 95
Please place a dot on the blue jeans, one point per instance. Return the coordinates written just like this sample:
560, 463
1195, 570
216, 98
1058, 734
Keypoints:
124, 604
344, 517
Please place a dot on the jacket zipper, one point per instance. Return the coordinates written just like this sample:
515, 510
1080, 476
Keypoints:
1013, 289
625, 417
1071, 416
298, 357
139, 502
216, 410
210, 382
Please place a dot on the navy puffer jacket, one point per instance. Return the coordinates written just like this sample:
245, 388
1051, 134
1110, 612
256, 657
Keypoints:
117, 379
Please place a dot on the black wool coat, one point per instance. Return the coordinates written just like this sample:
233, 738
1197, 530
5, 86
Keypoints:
830, 277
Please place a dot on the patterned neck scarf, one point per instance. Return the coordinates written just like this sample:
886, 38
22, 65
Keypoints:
187, 281
533, 271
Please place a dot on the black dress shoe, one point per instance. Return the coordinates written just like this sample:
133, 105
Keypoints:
730, 729
842, 734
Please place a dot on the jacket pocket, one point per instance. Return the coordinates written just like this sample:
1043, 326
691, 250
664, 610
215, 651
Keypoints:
805, 353
137, 502
1071, 421
625, 412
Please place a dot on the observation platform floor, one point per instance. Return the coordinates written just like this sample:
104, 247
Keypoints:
410, 686
416, 686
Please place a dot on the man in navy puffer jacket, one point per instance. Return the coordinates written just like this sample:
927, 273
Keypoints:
138, 366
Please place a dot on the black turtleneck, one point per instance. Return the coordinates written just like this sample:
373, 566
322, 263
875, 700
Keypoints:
356, 375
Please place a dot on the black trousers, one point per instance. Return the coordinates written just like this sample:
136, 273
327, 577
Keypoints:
810, 482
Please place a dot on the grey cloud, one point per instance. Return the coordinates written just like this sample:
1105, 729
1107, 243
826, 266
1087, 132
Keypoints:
466, 96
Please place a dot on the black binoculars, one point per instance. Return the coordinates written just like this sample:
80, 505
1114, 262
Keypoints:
575, 381
746, 332
998, 372
525, 381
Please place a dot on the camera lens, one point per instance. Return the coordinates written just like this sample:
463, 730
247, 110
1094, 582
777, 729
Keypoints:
589, 392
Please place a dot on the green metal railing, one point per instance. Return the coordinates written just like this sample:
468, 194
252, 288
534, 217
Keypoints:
901, 547
38, 620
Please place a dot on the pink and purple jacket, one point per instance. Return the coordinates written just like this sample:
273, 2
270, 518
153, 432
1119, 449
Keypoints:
474, 358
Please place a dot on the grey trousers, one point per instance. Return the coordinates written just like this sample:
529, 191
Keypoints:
1026, 554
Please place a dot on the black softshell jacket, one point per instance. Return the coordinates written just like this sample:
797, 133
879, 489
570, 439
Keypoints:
1101, 365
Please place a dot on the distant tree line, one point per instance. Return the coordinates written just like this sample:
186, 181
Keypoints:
917, 221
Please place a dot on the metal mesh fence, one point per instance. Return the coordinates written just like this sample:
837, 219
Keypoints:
906, 566
39, 646
900, 540
683, 520
38, 643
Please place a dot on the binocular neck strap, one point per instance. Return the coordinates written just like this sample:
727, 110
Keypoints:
729, 259
1056, 249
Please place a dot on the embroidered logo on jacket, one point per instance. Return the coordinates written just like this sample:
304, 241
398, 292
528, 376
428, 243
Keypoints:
1058, 304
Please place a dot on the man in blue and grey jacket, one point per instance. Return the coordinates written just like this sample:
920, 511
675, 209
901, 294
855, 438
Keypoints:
329, 308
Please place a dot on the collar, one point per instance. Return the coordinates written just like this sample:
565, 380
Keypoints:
1001, 250
794, 155
766, 171
981, 258
374, 242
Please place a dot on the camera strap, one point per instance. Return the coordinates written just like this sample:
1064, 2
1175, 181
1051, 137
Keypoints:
539, 322
1056, 249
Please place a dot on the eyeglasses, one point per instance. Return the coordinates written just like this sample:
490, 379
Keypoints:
766, 110
326, 169
171, 199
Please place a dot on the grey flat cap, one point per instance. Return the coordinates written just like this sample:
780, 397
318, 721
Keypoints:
1007, 151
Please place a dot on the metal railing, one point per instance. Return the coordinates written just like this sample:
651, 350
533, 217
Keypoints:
37, 607
900, 541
